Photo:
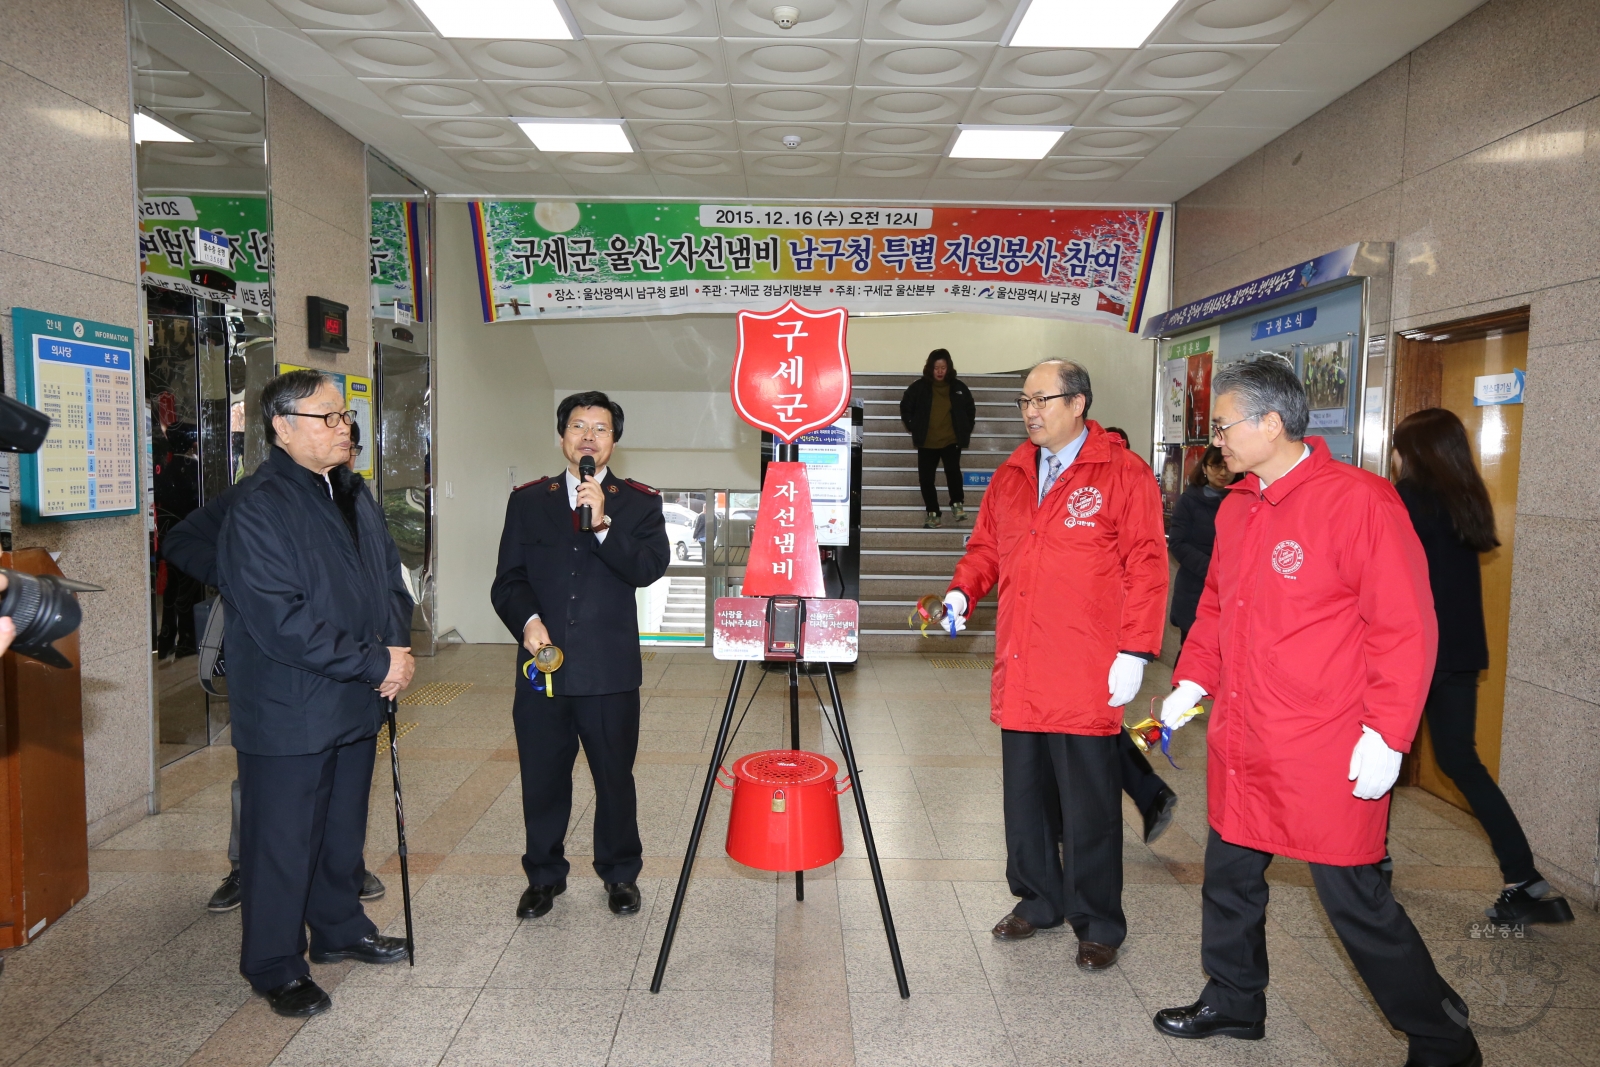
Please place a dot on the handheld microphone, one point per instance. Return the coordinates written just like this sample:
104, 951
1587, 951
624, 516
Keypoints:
585, 512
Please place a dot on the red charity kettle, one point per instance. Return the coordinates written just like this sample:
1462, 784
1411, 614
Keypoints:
785, 813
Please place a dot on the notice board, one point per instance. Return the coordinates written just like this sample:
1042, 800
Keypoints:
80, 373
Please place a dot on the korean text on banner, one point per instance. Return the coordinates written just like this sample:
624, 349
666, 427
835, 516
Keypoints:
563, 259
783, 547
213, 247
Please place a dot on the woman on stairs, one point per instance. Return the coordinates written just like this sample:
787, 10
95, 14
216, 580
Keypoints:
938, 412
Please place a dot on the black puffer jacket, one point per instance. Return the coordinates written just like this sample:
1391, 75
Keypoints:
314, 599
916, 405
1190, 536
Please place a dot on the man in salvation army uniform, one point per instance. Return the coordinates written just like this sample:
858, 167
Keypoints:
558, 583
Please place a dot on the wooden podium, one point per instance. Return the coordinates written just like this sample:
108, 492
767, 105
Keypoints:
44, 846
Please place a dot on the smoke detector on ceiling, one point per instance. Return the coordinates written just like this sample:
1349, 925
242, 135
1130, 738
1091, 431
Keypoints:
785, 16
791, 140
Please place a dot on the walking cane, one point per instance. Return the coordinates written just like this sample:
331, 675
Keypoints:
400, 831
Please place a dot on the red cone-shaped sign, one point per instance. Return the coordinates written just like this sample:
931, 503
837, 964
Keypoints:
791, 374
783, 549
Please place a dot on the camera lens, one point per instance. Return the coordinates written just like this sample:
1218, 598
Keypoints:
44, 610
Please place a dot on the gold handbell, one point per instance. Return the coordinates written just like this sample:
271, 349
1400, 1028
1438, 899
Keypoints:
929, 609
1145, 734
548, 659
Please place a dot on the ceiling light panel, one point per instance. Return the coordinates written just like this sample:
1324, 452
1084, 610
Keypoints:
566, 135
533, 20
147, 129
1003, 142
1089, 23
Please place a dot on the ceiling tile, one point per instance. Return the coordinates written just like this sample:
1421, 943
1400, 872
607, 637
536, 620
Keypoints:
695, 164
791, 188
898, 140
909, 105
556, 61
984, 169
814, 136
675, 102
352, 15
791, 164
218, 127
939, 20
646, 18
879, 190
474, 133
1238, 21
1061, 193
685, 136
643, 59
978, 190
818, 18
861, 165
819, 103
570, 163
703, 186
436, 98
392, 55
762, 60
1092, 141
577, 100
608, 184
1145, 109
1186, 68
1009, 107
905, 63
1080, 169
1054, 68
500, 160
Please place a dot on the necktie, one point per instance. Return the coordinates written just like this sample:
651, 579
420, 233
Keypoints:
1051, 474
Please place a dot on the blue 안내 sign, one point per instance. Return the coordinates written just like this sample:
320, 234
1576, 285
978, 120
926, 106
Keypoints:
1329, 267
976, 479
1303, 319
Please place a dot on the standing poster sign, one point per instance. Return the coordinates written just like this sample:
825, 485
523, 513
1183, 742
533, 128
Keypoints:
1197, 400
80, 373
826, 454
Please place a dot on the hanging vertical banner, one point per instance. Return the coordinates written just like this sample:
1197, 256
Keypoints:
80, 373
394, 260
565, 259
213, 247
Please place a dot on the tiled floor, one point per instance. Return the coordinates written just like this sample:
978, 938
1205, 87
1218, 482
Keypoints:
140, 974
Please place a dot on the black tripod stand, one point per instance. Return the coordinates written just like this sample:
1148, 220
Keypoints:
719, 752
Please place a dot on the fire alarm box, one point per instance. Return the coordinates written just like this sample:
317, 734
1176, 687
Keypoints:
327, 325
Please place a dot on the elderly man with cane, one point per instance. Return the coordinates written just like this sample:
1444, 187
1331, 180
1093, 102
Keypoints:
1316, 634
317, 626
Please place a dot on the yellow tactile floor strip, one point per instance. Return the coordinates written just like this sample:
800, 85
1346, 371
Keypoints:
435, 694
950, 663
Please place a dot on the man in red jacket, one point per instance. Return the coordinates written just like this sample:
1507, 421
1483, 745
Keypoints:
1316, 634
1070, 530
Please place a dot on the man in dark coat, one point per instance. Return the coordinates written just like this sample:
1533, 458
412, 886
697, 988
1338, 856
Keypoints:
558, 584
317, 625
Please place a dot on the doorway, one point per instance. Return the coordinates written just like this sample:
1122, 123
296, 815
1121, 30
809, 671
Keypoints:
1439, 366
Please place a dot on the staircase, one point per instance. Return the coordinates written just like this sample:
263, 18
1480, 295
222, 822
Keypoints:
900, 561
686, 606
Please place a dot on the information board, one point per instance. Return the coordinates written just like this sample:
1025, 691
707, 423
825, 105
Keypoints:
826, 454
80, 373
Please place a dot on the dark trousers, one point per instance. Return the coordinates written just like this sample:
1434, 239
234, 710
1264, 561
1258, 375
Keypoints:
302, 826
1065, 788
549, 730
928, 460
1139, 779
1452, 712
1385, 947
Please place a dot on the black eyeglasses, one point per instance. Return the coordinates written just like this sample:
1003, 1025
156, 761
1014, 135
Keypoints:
330, 420
1038, 402
356, 450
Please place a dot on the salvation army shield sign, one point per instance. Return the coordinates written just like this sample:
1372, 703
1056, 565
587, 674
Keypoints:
792, 373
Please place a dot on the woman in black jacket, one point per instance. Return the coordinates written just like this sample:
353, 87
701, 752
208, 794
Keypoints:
938, 412
1192, 532
1454, 519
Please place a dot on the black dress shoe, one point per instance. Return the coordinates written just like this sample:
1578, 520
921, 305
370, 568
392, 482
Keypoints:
537, 900
623, 897
374, 948
371, 888
1472, 1059
1532, 901
1201, 1020
228, 895
1159, 815
299, 999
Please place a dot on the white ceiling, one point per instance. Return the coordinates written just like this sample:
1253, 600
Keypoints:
873, 87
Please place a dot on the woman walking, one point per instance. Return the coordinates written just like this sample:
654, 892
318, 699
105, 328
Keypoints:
938, 412
1450, 508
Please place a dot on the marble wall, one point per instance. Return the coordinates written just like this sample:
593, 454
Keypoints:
1476, 155
67, 244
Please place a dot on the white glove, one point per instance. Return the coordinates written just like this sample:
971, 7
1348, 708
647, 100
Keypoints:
1127, 675
1373, 766
1186, 696
955, 608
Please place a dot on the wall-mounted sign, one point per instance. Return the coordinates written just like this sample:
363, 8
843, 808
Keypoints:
231, 263
561, 259
1492, 389
1303, 319
394, 260
80, 373
1340, 263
